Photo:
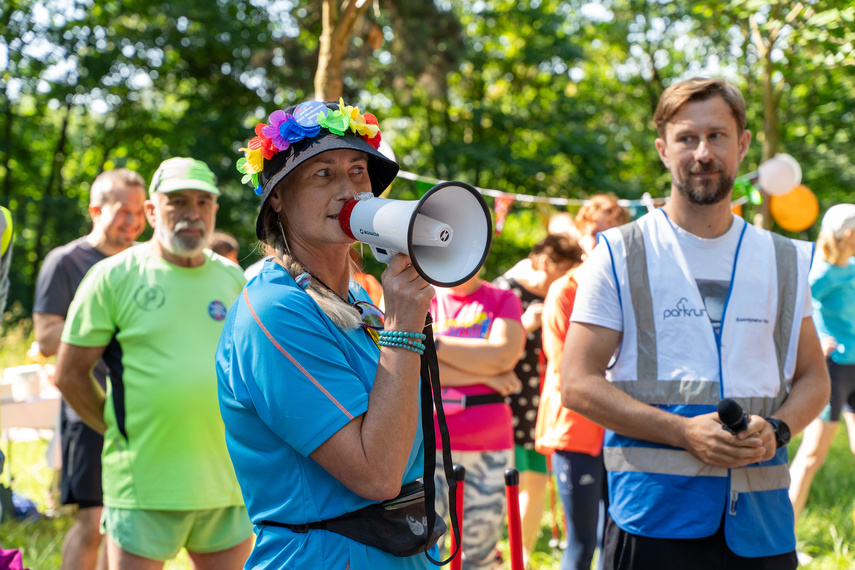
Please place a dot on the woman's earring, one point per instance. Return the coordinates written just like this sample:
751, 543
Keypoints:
284, 239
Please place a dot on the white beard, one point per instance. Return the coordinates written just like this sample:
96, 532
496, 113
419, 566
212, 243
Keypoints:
180, 245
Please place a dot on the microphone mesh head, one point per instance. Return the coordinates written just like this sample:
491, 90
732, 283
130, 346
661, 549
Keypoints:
729, 412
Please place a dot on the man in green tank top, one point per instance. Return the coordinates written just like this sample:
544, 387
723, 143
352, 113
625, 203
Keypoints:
154, 313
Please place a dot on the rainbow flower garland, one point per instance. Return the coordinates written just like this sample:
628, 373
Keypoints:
307, 121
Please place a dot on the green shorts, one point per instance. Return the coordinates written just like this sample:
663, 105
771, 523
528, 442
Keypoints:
160, 535
529, 460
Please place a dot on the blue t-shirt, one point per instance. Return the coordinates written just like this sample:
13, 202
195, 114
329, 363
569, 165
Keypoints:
288, 380
833, 293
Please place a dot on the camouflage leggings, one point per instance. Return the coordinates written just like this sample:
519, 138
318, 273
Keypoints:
483, 503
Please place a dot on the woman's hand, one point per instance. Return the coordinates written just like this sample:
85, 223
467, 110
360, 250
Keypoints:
829, 345
505, 383
531, 318
406, 295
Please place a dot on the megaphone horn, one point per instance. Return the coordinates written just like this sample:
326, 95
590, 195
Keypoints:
447, 233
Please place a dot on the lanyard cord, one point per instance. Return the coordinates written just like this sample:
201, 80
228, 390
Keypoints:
430, 397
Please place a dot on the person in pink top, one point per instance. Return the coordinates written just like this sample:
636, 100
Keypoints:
479, 339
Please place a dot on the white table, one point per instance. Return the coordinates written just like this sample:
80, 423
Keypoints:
40, 412
27, 419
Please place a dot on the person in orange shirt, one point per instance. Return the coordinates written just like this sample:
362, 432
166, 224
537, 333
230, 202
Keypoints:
574, 442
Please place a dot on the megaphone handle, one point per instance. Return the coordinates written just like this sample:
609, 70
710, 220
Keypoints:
382, 255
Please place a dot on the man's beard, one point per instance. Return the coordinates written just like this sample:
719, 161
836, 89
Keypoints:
182, 245
704, 192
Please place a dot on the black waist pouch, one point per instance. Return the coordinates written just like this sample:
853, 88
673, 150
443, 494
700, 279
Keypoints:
398, 526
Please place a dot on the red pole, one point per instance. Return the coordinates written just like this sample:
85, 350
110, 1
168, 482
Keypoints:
512, 492
459, 476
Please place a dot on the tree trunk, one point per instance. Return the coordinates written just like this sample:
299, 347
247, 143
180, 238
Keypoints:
771, 134
337, 30
771, 129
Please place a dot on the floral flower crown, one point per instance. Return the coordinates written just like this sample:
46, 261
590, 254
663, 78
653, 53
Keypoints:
286, 129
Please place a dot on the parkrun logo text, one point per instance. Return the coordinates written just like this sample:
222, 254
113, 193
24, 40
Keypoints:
683, 310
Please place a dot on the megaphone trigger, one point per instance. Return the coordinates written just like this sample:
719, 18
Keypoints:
447, 233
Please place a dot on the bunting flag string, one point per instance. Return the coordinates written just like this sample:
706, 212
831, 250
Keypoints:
645, 202
502, 207
744, 193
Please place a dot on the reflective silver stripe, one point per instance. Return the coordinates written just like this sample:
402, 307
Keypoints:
642, 303
753, 479
693, 393
762, 406
682, 463
672, 392
786, 261
656, 460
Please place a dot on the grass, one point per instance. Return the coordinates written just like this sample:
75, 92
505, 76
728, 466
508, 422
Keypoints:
826, 530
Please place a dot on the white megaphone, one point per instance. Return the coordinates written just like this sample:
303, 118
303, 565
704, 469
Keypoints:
447, 233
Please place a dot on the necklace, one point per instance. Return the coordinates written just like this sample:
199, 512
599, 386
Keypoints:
327, 287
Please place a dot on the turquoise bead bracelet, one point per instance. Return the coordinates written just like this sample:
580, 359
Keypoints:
401, 335
413, 346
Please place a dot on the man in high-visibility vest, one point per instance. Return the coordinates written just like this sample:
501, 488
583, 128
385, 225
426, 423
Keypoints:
675, 312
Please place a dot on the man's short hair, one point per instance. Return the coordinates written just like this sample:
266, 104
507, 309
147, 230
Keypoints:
103, 188
698, 89
223, 243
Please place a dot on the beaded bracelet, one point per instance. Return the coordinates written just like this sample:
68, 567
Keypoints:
403, 339
392, 335
413, 346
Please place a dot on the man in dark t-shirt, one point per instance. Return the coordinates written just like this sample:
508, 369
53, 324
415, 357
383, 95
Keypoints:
116, 208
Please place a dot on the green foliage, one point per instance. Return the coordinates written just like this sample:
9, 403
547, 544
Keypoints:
551, 98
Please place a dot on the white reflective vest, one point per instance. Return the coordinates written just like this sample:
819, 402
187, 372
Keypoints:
672, 358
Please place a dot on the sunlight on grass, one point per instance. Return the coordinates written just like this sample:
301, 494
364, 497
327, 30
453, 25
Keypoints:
826, 530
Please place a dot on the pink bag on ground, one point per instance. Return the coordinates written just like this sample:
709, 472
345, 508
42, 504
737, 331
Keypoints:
11, 560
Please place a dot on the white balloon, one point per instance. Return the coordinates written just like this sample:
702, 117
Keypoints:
779, 174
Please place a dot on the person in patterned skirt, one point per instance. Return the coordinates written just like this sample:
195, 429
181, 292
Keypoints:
549, 259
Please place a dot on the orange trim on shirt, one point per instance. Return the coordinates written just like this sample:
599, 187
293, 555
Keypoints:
291, 358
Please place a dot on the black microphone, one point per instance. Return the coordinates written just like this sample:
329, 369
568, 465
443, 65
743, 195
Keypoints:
733, 419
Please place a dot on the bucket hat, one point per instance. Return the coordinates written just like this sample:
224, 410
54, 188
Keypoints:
301, 132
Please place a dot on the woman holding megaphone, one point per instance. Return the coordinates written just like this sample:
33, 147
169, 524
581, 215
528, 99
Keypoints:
320, 400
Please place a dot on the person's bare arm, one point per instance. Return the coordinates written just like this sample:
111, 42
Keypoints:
74, 379
505, 383
809, 393
48, 329
584, 389
497, 353
369, 454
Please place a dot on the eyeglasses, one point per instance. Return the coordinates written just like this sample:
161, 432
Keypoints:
372, 317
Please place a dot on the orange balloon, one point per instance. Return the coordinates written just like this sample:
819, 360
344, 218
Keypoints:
796, 210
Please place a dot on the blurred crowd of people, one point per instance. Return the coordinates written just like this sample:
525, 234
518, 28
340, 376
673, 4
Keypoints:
204, 403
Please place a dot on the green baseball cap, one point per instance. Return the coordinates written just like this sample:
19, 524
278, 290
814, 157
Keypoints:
183, 174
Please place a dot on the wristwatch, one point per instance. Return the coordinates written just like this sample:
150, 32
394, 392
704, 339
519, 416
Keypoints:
782, 431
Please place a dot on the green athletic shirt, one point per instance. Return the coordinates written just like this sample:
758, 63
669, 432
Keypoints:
164, 448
